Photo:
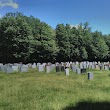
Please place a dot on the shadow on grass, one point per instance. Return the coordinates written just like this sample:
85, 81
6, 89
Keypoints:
90, 106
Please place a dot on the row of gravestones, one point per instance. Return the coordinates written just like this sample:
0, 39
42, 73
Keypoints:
75, 66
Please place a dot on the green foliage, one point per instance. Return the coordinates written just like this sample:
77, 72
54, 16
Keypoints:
27, 39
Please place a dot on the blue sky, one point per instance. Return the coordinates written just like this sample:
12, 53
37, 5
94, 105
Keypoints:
96, 12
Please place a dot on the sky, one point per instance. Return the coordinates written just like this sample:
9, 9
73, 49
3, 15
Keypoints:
73, 12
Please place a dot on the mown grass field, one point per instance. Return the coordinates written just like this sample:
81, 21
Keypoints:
42, 91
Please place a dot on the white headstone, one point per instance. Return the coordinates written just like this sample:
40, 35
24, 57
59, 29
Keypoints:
67, 71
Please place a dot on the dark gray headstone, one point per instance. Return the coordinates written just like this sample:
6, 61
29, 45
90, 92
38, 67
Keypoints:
57, 68
62, 68
83, 70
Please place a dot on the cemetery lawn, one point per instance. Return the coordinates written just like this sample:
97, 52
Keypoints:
42, 91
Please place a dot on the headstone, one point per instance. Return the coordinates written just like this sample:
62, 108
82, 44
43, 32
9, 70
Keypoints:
62, 68
101, 66
83, 70
38, 64
93, 66
9, 69
34, 65
1, 64
40, 68
15, 68
29, 65
81, 65
3, 68
48, 69
90, 75
97, 66
106, 68
24, 68
56, 63
44, 64
74, 68
57, 68
78, 71
67, 71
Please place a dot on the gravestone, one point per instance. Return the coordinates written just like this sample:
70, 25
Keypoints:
62, 68
15, 68
84, 65
78, 71
9, 69
1, 64
90, 75
3, 68
24, 68
34, 65
19, 65
40, 68
106, 68
83, 70
93, 66
38, 64
58, 68
74, 68
48, 69
44, 64
97, 66
67, 71
29, 65
15, 64
81, 65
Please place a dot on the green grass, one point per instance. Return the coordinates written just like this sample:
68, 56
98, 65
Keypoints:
51, 91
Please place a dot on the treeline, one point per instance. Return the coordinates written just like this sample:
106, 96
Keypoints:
28, 39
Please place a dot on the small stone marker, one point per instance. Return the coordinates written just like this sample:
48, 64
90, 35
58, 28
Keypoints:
106, 68
78, 71
40, 68
90, 75
62, 68
74, 68
57, 68
34, 65
67, 71
29, 65
48, 69
83, 70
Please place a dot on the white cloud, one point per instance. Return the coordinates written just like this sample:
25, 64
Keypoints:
10, 3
